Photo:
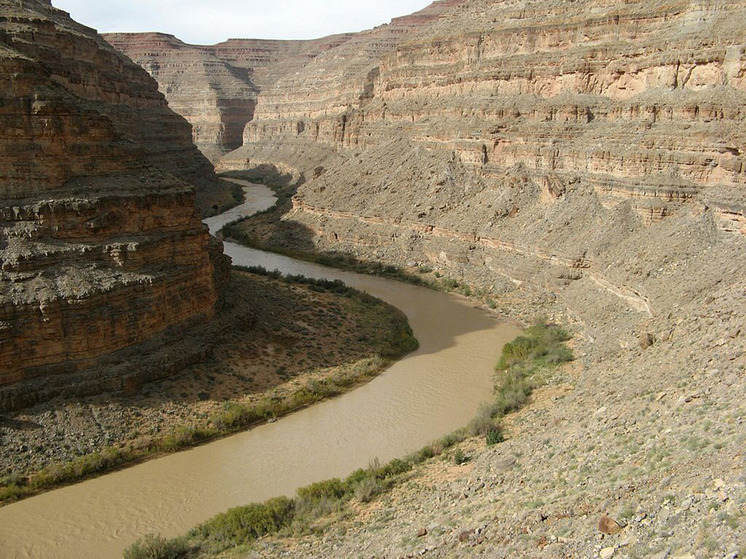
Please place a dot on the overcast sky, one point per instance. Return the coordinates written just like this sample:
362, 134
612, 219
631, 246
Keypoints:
212, 21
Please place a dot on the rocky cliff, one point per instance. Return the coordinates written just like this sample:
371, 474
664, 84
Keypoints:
553, 146
101, 244
215, 87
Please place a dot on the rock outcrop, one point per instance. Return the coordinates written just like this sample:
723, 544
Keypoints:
215, 87
101, 244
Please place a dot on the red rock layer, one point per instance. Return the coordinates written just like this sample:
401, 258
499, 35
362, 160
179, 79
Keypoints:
100, 242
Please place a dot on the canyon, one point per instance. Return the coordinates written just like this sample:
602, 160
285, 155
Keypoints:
581, 160
578, 159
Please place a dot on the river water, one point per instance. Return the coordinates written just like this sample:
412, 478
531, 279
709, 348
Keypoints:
429, 393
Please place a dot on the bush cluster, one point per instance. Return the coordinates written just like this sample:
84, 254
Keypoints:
518, 372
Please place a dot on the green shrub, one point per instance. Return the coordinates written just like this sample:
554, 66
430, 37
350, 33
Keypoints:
180, 437
516, 351
495, 436
233, 416
484, 421
423, 454
453, 438
367, 488
512, 390
154, 546
244, 524
541, 343
394, 468
459, 457
13, 492
330, 488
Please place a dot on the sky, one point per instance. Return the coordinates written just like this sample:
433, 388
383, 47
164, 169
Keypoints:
212, 21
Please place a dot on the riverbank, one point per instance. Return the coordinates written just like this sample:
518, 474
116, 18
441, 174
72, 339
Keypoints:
274, 347
525, 364
625, 458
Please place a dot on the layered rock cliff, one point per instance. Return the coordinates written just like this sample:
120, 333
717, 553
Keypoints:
215, 87
100, 240
578, 159
538, 144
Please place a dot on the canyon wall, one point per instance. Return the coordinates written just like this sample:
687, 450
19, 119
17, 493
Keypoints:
101, 244
215, 87
591, 152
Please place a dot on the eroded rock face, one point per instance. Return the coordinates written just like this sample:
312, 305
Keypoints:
590, 150
101, 244
215, 87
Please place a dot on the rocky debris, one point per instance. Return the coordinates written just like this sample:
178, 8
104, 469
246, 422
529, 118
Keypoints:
100, 241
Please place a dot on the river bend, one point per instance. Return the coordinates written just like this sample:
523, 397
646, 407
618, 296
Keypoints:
429, 393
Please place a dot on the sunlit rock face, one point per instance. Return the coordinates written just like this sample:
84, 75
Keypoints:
589, 150
100, 240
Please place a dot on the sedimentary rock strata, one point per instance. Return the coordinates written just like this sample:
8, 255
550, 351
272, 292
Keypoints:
101, 244
535, 144
215, 87
582, 159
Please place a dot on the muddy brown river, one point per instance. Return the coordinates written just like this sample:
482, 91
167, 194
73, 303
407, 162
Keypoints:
427, 394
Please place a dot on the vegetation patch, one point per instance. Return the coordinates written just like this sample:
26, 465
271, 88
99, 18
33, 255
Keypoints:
524, 365
422, 275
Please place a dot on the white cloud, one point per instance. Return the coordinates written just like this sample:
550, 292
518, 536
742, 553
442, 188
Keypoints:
208, 22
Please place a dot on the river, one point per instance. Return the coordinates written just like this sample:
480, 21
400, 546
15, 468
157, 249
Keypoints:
427, 394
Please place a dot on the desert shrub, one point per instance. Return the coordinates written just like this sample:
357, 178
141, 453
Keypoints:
13, 492
393, 468
233, 416
423, 454
179, 438
495, 436
483, 421
367, 488
450, 284
244, 524
452, 438
154, 546
540, 344
459, 457
512, 390
558, 354
516, 351
329, 489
